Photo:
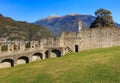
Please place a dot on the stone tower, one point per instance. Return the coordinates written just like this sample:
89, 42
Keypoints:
79, 25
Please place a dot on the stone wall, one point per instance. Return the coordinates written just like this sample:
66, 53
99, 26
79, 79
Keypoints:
82, 40
92, 38
99, 38
69, 40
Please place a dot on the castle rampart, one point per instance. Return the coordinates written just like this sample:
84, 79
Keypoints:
92, 38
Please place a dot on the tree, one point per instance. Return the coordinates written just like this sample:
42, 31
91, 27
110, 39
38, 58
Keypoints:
103, 19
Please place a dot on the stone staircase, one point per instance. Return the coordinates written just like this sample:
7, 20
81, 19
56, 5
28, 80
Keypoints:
68, 49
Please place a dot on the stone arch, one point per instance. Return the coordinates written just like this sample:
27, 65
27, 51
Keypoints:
37, 56
56, 53
47, 55
7, 63
23, 60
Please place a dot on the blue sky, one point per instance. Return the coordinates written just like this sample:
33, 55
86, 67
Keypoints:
32, 10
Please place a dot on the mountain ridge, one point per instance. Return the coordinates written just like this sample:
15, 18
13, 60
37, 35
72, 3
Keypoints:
67, 23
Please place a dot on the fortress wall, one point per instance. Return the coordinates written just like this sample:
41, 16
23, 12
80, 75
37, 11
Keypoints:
99, 38
68, 35
116, 37
69, 39
85, 39
92, 38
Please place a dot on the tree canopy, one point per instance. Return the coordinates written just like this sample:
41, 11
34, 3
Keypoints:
103, 19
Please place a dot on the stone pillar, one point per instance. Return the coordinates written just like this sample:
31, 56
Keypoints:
79, 26
43, 43
15, 61
10, 47
63, 52
61, 42
43, 55
0, 48
44, 40
32, 44
16, 46
77, 41
22, 46
50, 53
51, 40
36, 44
63, 34
30, 58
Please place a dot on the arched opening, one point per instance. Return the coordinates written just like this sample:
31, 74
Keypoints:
4, 48
7, 63
23, 60
47, 54
37, 56
56, 53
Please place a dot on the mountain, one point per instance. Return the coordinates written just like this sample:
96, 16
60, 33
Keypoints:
18, 30
117, 24
68, 23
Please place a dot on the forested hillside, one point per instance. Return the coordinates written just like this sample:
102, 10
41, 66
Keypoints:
18, 30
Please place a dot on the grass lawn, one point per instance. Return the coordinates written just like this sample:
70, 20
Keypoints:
90, 66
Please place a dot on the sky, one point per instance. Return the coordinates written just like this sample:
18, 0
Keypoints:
32, 10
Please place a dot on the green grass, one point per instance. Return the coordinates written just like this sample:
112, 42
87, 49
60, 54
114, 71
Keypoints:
90, 66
